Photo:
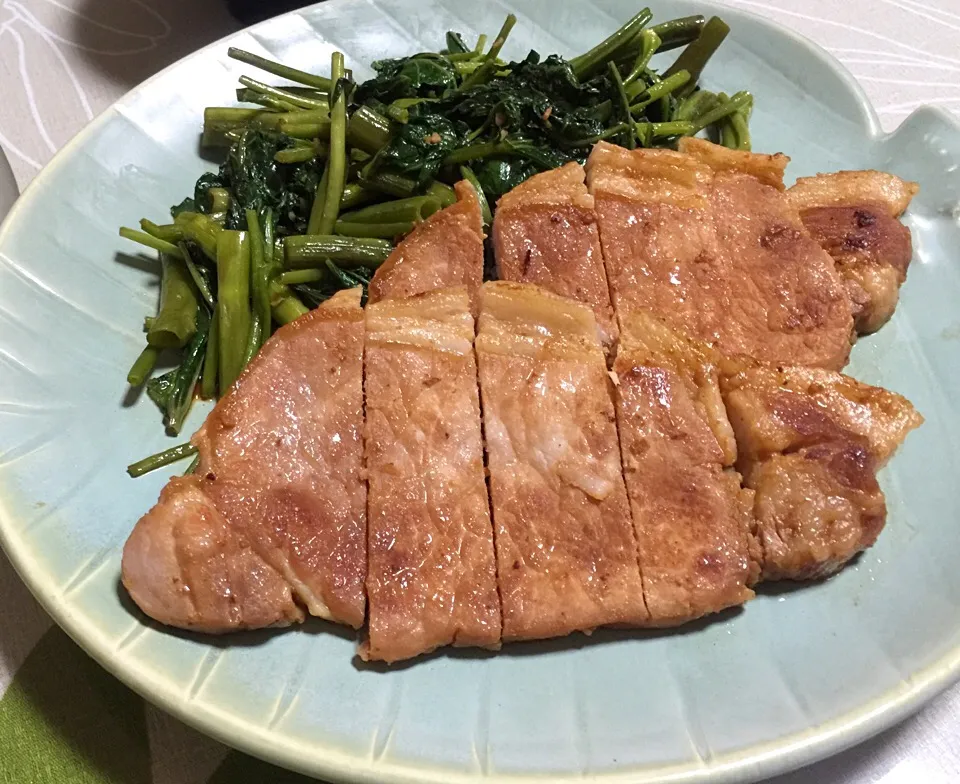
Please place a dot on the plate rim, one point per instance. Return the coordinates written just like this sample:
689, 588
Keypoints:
334, 762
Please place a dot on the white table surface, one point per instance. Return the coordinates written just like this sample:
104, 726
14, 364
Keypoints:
63, 61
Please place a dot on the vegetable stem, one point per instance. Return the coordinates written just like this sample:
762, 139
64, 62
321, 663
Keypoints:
259, 276
390, 183
302, 154
161, 459
649, 44
501, 38
589, 63
381, 230
678, 32
737, 103
475, 152
414, 209
656, 91
185, 382
303, 101
278, 69
176, 319
143, 366
198, 277
295, 277
211, 361
695, 57
467, 173
443, 193
629, 137
246, 95
355, 195
648, 130
337, 163
168, 233
368, 130
311, 250
150, 241
254, 339
233, 303
286, 307
217, 120
202, 230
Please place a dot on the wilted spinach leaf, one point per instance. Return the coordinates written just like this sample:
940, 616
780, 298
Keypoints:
537, 114
421, 76
187, 205
160, 388
256, 181
338, 279
420, 146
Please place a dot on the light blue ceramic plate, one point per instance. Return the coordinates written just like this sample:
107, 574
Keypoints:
794, 677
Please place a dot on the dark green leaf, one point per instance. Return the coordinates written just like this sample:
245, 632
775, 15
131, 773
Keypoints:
420, 146
499, 175
456, 44
187, 205
425, 75
256, 181
313, 294
201, 199
160, 388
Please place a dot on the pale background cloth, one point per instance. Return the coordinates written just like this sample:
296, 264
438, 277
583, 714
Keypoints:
63, 61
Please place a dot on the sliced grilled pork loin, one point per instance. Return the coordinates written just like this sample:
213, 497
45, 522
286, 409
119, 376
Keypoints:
854, 187
691, 516
445, 250
705, 239
274, 518
810, 443
854, 215
184, 565
566, 550
431, 579
545, 232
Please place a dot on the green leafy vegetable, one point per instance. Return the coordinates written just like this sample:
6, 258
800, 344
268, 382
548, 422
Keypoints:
321, 176
425, 75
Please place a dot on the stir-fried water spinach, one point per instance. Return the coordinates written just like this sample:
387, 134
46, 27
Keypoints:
321, 176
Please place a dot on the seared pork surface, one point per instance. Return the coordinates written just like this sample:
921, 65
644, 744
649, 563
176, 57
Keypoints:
691, 516
566, 550
184, 565
854, 217
545, 232
705, 239
445, 250
810, 443
276, 510
840, 188
431, 579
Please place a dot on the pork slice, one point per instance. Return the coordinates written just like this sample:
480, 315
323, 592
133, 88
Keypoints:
278, 497
431, 578
851, 188
566, 551
854, 216
545, 232
185, 566
775, 410
766, 169
445, 250
810, 443
815, 508
706, 240
691, 516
